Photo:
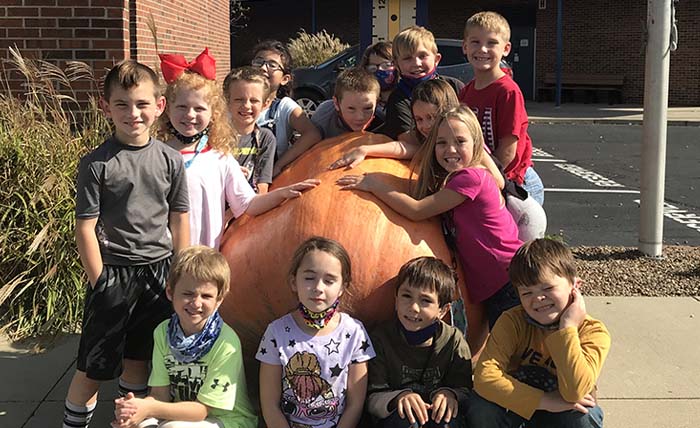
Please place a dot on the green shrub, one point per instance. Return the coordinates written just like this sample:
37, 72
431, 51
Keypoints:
312, 49
41, 142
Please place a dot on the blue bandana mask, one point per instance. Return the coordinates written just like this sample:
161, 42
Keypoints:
406, 84
386, 78
415, 338
187, 349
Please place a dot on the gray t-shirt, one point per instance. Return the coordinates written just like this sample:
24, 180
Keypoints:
282, 121
132, 190
256, 152
327, 121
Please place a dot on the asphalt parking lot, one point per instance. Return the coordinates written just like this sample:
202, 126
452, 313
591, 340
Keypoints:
591, 174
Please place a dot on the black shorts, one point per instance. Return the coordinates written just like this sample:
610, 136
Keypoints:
121, 311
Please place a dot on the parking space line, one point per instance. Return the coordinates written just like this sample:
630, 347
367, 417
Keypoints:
590, 176
548, 160
679, 215
555, 190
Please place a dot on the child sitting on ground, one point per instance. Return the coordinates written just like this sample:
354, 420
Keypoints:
497, 100
197, 375
246, 90
282, 115
416, 55
543, 358
352, 107
422, 373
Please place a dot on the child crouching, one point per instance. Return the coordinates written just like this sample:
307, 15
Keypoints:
422, 373
197, 375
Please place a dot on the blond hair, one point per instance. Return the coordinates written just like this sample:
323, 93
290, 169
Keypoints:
408, 40
431, 175
203, 264
356, 80
221, 135
489, 21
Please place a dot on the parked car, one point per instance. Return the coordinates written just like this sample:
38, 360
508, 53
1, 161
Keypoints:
313, 85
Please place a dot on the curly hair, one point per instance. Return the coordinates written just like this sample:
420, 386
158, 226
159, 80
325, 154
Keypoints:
221, 136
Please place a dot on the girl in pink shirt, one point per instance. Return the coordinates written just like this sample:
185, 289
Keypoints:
453, 183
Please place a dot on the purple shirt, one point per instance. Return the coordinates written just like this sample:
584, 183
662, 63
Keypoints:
487, 236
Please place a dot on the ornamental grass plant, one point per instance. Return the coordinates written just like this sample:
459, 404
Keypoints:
312, 49
41, 143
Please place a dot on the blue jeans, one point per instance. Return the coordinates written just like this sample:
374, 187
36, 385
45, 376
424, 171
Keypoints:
485, 414
504, 299
533, 185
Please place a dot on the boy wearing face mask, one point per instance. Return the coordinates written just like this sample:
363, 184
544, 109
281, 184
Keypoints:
416, 56
378, 60
422, 372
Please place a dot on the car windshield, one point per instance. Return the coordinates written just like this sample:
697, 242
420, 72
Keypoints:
334, 58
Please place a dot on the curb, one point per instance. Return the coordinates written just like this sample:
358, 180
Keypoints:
567, 121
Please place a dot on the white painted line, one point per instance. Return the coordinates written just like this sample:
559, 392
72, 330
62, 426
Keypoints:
555, 190
679, 215
548, 160
587, 175
540, 152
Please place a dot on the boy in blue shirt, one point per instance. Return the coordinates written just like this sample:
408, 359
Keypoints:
131, 213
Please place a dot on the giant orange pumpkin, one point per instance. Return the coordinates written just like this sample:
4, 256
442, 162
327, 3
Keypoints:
378, 239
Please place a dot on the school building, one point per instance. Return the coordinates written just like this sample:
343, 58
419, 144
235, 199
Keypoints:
103, 32
600, 37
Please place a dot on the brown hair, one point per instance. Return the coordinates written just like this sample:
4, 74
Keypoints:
429, 273
540, 257
327, 245
489, 21
356, 80
247, 74
432, 176
435, 92
204, 264
221, 135
128, 74
381, 49
408, 40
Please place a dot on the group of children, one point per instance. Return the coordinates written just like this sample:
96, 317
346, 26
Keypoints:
140, 201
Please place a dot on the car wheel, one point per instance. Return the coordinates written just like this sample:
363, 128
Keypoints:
308, 101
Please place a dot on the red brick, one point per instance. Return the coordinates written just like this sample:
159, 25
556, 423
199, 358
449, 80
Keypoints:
3, 11
74, 23
89, 33
89, 54
74, 44
117, 13
40, 2
107, 44
11, 22
106, 23
41, 43
88, 12
42, 22
56, 11
8, 43
23, 32
22, 11
57, 32
59, 54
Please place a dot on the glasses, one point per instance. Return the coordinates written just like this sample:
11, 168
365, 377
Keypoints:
271, 65
384, 66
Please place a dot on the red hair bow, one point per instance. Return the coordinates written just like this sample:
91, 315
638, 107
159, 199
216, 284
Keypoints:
173, 66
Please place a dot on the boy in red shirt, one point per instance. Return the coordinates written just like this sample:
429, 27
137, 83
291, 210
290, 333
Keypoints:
497, 100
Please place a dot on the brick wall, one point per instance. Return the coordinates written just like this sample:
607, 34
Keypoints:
65, 30
600, 36
184, 27
103, 32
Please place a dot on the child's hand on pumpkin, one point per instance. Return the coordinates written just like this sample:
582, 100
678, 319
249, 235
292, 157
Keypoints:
295, 190
350, 159
367, 182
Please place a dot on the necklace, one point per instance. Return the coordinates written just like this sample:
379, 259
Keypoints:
318, 320
184, 139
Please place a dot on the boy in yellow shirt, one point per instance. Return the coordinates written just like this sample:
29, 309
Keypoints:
543, 358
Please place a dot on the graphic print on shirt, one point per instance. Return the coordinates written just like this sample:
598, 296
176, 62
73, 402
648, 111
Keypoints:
305, 394
186, 379
420, 380
487, 126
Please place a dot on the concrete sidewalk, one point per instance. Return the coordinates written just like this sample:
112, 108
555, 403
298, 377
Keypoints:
546, 112
650, 379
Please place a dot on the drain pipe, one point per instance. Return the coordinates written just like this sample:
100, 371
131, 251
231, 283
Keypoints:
653, 171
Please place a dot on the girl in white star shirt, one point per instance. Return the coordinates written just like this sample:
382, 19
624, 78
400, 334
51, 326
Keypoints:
313, 361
